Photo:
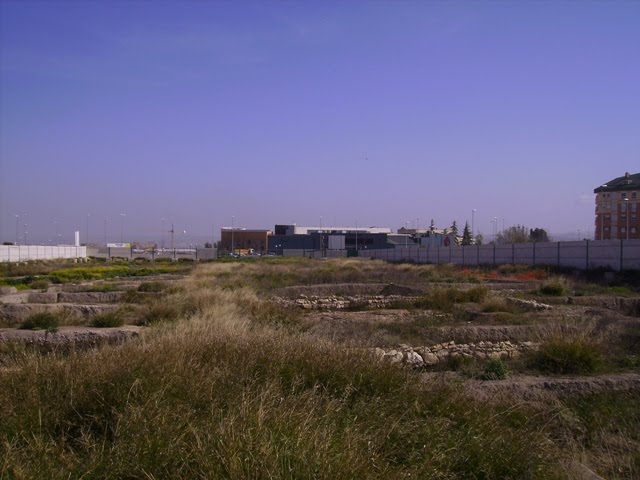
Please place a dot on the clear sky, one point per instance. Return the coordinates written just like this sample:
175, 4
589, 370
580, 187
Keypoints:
281, 112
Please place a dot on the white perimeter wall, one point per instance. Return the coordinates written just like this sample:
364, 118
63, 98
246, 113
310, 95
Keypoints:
22, 253
587, 254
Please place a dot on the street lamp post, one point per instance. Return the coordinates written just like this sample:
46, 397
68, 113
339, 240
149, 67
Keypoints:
406, 237
495, 229
122, 215
602, 213
162, 243
25, 234
105, 231
17, 229
233, 247
356, 234
626, 213
473, 222
86, 241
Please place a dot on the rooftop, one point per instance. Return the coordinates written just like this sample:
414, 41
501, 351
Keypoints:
626, 182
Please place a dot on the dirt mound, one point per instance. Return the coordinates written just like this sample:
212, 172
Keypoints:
13, 314
325, 290
532, 388
401, 290
70, 338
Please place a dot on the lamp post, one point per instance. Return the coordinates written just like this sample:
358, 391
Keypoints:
602, 212
626, 213
17, 229
233, 249
25, 234
406, 232
473, 222
122, 215
495, 229
105, 231
86, 241
356, 234
162, 243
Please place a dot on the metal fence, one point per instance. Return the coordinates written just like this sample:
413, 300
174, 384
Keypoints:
127, 253
587, 254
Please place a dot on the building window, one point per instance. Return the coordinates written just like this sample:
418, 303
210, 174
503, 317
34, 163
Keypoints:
633, 194
633, 230
623, 230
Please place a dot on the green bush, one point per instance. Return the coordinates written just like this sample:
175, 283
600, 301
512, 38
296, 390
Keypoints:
554, 286
107, 320
495, 369
41, 321
567, 356
40, 284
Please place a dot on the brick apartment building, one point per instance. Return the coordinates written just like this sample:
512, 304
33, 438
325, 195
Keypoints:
617, 208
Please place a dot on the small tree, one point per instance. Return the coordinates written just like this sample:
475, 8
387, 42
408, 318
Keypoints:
513, 234
479, 239
538, 235
454, 228
467, 239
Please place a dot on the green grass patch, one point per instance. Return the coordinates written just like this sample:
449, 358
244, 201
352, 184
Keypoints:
444, 299
554, 286
567, 356
107, 320
41, 321
495, 369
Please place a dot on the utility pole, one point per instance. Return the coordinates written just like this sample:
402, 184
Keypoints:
162, 243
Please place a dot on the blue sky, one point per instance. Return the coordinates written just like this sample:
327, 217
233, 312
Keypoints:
278, 112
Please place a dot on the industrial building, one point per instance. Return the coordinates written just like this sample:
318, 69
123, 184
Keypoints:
294, 237
235, 239
617, 208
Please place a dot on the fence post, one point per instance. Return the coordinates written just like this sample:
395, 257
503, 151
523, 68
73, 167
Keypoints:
534, 254
587, 264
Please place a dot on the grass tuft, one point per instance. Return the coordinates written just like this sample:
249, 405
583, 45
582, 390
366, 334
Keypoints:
107, 320
41, 321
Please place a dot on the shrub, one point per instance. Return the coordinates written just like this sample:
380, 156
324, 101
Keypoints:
160, 312
554, 286
41, 284
153, 287
495, 369
107, 320
41, 321
567, 356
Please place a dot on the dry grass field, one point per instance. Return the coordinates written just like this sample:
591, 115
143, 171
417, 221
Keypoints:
296, 368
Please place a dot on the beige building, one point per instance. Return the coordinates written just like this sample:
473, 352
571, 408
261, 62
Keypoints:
617, 208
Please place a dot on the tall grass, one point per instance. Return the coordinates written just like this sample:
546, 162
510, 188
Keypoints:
217, 394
